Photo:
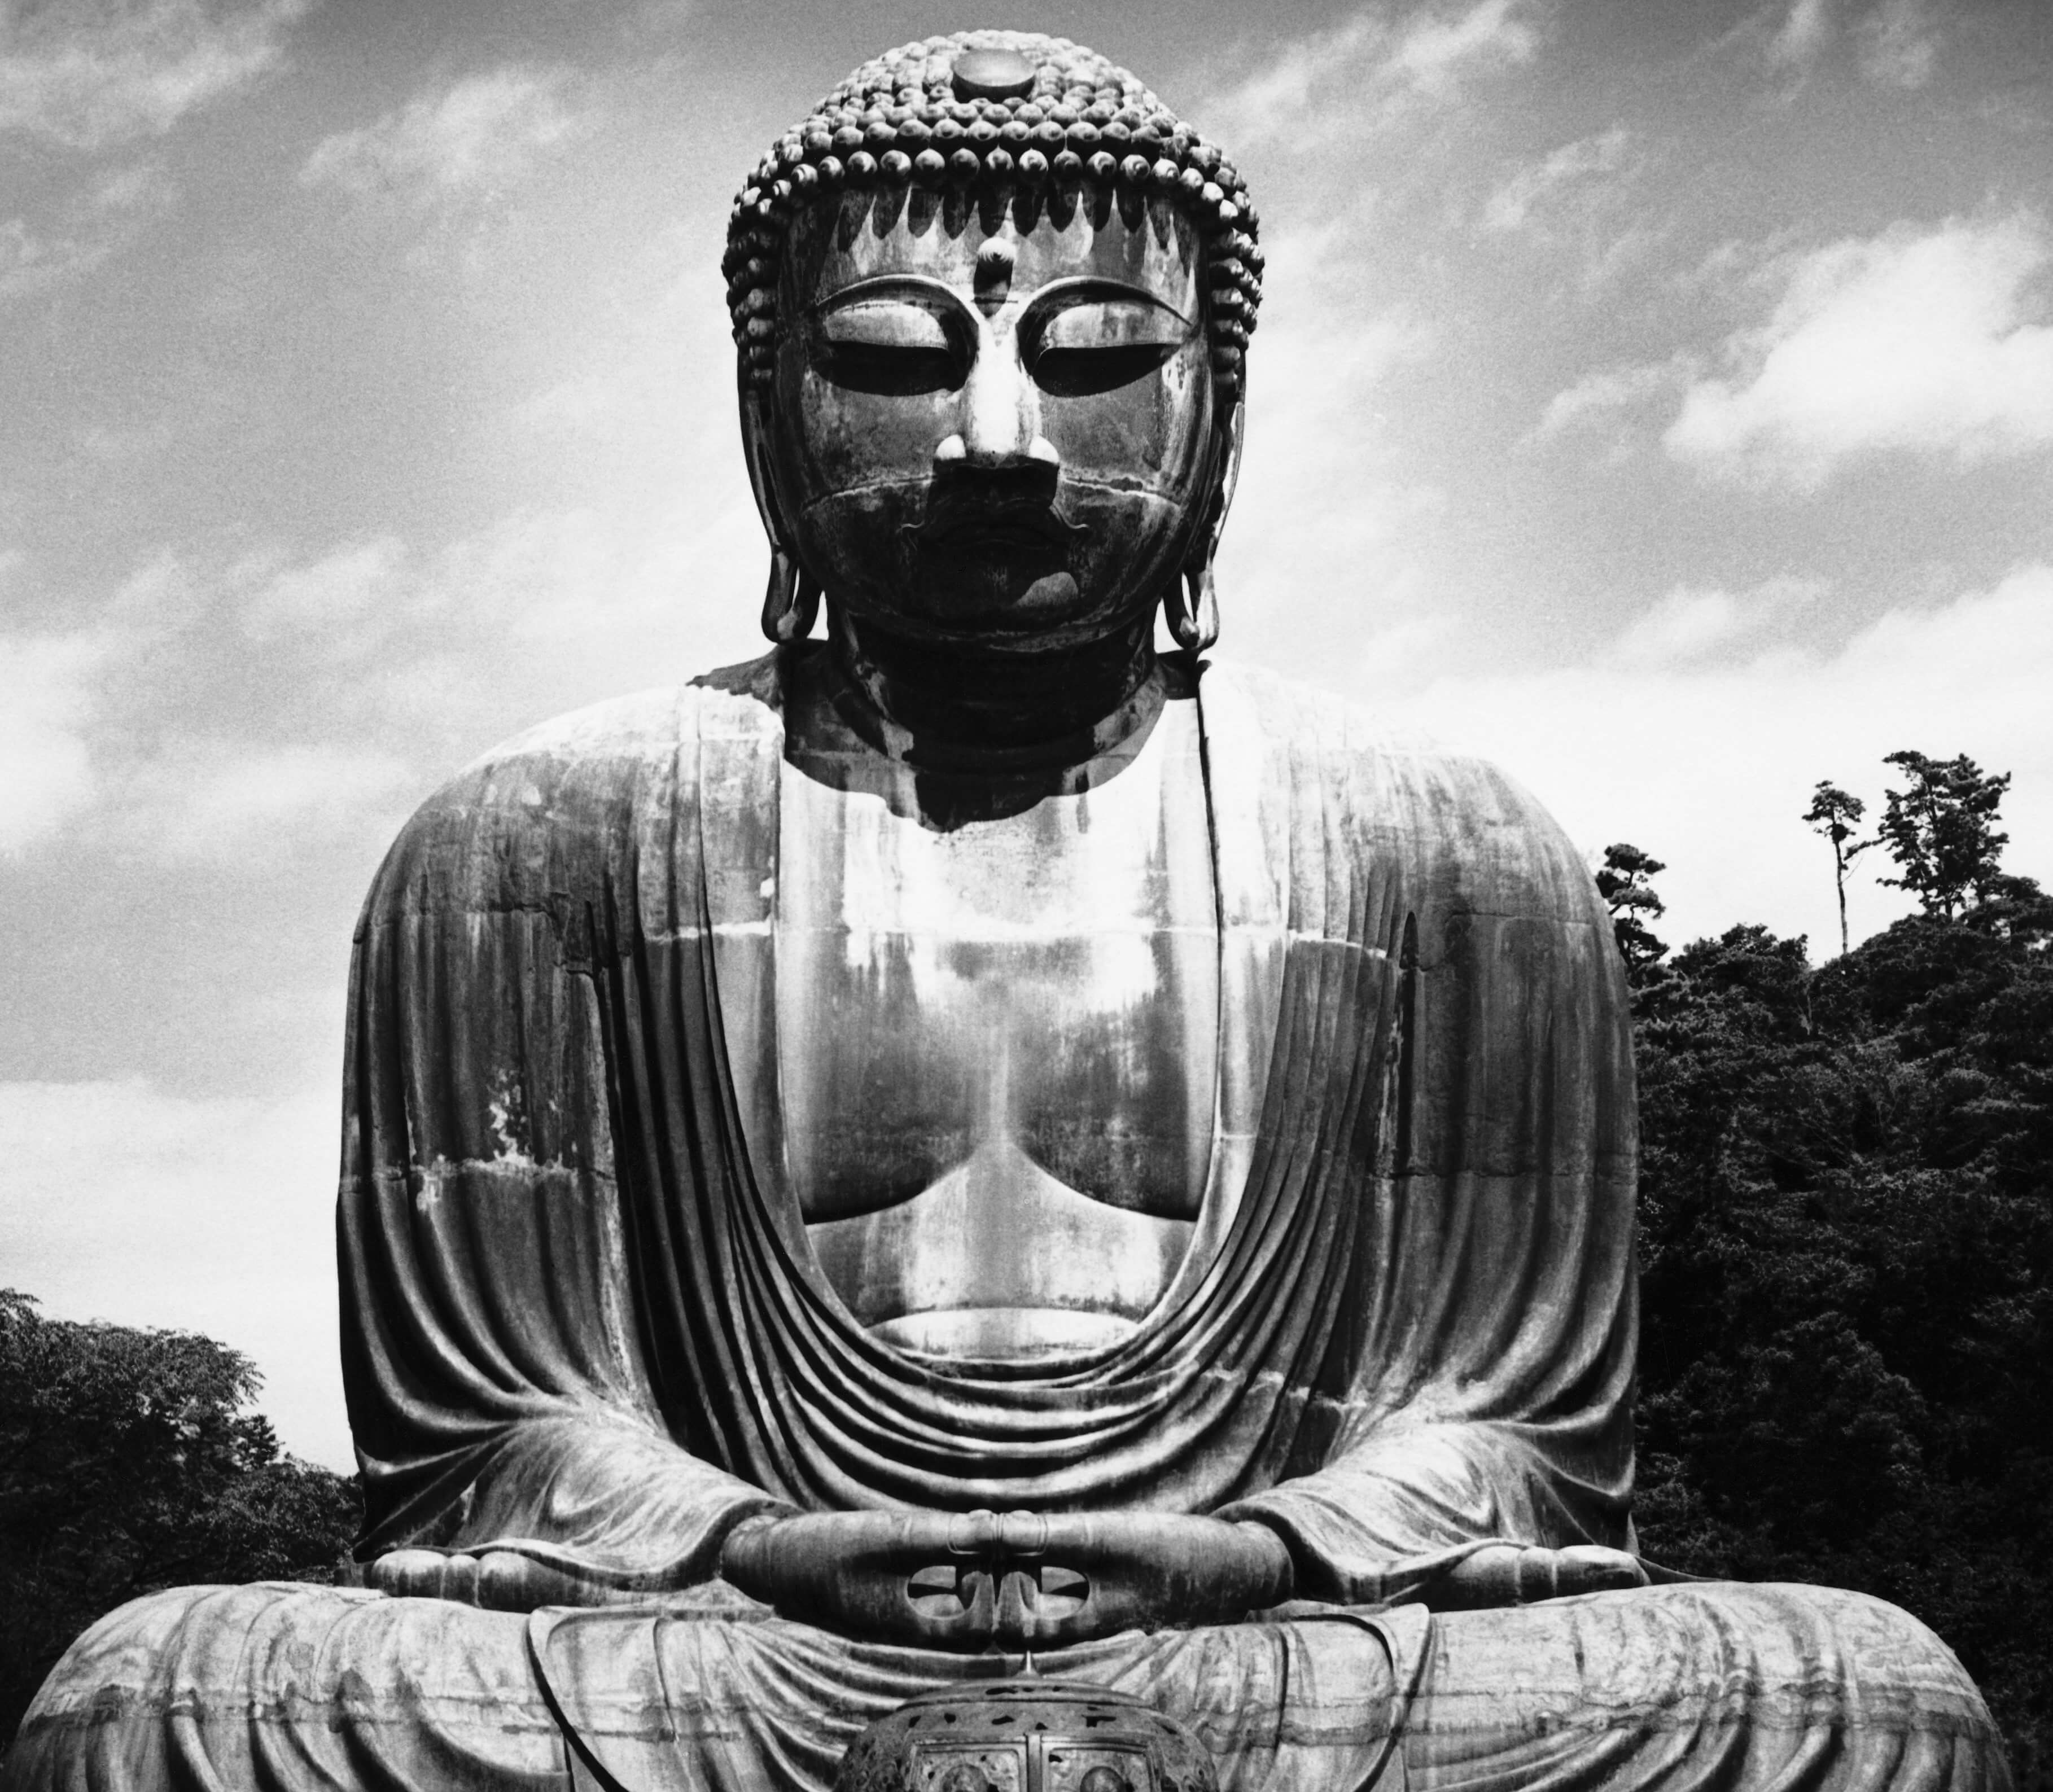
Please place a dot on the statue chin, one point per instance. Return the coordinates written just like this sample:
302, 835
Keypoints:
924, 560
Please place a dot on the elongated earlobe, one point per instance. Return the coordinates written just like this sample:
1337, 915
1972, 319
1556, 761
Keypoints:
1192, 605
791, 601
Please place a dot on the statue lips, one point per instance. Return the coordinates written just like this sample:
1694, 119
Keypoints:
998, 513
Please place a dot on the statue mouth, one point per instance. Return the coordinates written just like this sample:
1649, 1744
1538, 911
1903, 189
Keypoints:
991, 524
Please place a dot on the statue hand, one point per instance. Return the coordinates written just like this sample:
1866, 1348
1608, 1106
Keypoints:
969, 1580
1141, 1570
498, 1580
860, 1574
1505, 1574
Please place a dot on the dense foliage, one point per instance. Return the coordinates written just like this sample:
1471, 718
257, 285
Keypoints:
129, 1460
1847, 1240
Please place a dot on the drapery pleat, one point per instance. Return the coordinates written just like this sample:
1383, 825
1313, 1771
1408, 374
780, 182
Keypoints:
1704, 1689
577, 1316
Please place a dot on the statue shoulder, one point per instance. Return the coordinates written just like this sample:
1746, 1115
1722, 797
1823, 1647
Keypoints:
1467, 829
553, 811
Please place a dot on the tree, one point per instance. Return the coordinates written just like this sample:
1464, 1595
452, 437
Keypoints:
1846, 1208
1625, 880
130, 1461
1941, 831
1836, 815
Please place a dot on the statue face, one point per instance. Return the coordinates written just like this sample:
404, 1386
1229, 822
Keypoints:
993, 418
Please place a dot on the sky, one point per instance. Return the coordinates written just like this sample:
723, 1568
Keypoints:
1655, 395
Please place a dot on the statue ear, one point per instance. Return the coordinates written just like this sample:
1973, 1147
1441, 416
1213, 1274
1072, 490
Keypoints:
792, 599
1193, 602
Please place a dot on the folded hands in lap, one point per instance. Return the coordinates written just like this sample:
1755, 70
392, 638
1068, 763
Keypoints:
969, 1580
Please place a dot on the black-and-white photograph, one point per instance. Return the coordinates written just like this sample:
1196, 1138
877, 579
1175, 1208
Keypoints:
1146, 898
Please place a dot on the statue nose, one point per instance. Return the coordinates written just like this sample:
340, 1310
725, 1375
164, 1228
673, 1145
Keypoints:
1000, 420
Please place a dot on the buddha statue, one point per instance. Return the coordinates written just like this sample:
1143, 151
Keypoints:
971, 1147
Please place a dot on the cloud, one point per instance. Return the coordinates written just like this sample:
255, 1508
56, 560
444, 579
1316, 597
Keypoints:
1895, 42
1609, 389
478, 136
220, 800
84, 74
1689, 626
1435, 48
342, 589
46, 773
1513, 202
1899, 43
126, 1202
118, 724
1700, 732
216, 711
1319, 488
1328, 82
1902, 343
30, 261
92, 226
1807, 28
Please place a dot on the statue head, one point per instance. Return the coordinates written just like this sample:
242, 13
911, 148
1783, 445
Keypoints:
992, 302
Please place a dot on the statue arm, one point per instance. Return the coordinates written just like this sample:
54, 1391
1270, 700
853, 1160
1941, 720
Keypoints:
495, 1378
1452, 1515
580, 1509
1480, 1450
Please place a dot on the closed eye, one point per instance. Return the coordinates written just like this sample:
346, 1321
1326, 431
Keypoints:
895, 346
1082, 373
1097, 341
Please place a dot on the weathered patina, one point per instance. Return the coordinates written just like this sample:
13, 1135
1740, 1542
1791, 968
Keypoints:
970, 1148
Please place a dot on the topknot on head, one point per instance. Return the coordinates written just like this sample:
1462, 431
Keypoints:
1009, 109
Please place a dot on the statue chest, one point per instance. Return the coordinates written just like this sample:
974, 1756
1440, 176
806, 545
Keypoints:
996, 1052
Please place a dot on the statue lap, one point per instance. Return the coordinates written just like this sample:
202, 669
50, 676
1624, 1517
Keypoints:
1799, 1688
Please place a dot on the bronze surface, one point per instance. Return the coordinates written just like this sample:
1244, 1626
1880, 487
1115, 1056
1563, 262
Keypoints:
967, 1146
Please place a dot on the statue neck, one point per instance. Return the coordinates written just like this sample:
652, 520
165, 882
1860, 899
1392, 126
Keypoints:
945, 708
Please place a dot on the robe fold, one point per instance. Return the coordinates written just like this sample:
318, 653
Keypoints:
581, 1316
1705, 1687
582, 1321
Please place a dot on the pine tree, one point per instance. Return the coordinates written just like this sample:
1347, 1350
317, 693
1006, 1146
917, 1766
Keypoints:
1837, 815
1625, 880
1941, 831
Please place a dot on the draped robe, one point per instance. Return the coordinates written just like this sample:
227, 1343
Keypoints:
581, 1310
582, 1320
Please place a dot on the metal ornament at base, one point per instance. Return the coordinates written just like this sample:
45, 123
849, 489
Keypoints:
1025, 1735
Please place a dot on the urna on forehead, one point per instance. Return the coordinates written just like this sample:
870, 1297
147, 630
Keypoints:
985, 130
